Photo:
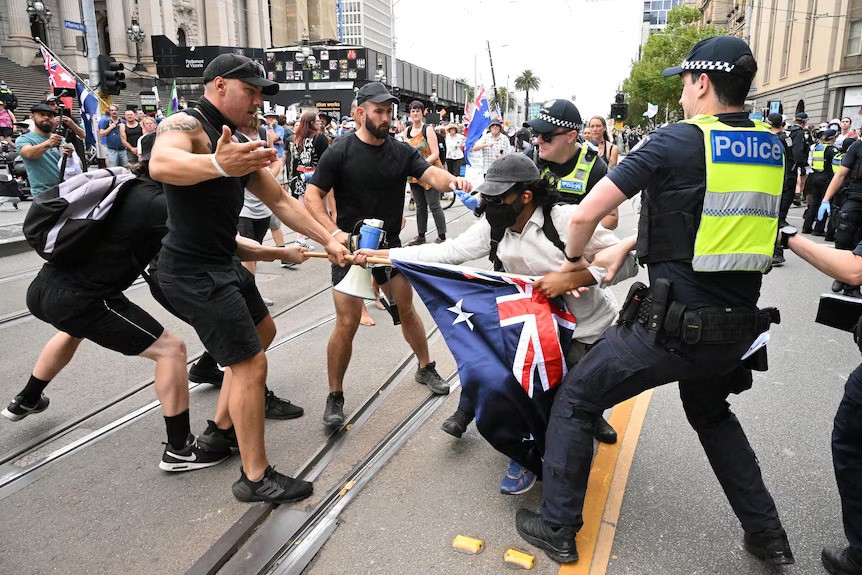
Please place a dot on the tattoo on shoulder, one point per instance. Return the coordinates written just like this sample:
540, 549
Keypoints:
179, 123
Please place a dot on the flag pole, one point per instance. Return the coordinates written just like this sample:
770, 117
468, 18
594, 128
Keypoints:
71, 71
388, 262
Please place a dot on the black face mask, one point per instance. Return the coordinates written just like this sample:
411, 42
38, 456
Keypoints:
502, 216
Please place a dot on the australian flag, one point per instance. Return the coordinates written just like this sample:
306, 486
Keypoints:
478, 124
89, 106
509, 342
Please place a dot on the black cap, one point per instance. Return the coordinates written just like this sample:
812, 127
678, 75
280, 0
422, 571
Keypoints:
44, 108
507, 171
801, 116
374, 92
496, 122
830, 133
775, 119
716, 54
239, 67
146, 142
556, 114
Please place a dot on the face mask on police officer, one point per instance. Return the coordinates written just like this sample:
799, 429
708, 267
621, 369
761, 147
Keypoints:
501, 216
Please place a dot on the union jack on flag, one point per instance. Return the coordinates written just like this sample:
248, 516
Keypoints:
58, 76
509, 342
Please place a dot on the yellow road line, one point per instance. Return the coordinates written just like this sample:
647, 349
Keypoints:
606, 488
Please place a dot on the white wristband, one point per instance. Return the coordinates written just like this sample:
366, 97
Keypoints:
335, 233
218, 168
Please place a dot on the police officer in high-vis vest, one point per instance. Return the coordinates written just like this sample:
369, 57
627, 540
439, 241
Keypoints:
821, 162
572, 167
708, 226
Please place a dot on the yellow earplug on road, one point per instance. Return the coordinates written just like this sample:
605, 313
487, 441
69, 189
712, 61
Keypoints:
519, 558
469, 545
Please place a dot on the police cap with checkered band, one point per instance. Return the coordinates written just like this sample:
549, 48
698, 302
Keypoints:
716, 54
556, 114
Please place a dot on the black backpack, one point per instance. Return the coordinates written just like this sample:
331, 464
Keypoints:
64, 223
441, 142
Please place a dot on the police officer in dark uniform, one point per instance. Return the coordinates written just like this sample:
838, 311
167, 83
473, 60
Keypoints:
788, 191
848, 233
818, 181
802, 142
706, 238
847, 425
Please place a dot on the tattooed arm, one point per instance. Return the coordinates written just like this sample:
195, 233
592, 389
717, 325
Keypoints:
182, 154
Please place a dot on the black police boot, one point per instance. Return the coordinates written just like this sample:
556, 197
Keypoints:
769, 547
838, 561
559, 543
456, 424
604, 432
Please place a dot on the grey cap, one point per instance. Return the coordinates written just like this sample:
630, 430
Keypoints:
374, 92
507, 171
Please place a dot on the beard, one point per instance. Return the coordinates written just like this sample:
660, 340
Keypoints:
379, 131
46, 126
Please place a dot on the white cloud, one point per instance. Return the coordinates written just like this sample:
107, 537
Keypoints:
580, 48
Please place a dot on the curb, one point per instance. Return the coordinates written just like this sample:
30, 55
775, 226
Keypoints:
12, 246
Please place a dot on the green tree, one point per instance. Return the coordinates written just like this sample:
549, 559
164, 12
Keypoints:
525, 82
506, 100
663, 49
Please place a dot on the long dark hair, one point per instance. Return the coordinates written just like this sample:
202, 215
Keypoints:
306, 126
604, 125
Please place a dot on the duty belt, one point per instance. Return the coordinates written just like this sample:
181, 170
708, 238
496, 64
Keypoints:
665, 319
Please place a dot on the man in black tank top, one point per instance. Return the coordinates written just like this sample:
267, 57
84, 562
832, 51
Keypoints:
204, 170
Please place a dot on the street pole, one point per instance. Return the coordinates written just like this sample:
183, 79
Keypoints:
88, 14
493, 78
394, 75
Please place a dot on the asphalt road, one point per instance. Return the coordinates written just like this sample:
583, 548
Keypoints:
108, 509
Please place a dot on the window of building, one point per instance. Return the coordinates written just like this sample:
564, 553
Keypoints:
770, 42
854, 42
808, 36
788, 37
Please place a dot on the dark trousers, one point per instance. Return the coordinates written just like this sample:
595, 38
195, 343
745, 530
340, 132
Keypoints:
622, 364
788, 192
847, 459
454, 166
425, 200
815, 187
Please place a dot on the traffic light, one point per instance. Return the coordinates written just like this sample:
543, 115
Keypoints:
619, 109
111, 76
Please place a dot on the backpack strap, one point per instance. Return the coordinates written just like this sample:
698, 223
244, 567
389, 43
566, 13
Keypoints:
550, 230
496, 236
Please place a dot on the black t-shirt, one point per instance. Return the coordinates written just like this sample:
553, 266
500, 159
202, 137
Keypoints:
600, 169
131, 237
369, 181
800, 146
849, 159
674, 158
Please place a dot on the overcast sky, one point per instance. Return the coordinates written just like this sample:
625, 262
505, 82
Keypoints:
580, 48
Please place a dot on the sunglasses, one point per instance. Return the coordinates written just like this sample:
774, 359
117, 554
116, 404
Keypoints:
499, 199
548, 137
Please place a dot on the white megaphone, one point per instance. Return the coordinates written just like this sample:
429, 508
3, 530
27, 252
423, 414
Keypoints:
357, 282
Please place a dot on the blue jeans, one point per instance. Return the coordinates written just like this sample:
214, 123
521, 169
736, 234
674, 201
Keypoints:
622, 364
116, 158
847, 459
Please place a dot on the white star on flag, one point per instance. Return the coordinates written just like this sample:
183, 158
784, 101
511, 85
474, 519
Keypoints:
487, 113
463, 316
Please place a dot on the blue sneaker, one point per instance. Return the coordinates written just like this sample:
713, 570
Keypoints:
518, 479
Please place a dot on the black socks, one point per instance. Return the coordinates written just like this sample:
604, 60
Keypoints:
179, 428
33, 390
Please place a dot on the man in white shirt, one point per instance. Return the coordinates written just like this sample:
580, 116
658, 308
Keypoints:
515, 202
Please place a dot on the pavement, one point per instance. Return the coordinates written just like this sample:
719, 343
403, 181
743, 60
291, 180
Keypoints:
108, 509
12, 239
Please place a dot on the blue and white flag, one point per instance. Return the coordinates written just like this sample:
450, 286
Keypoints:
89, 106
509, 342
478, 124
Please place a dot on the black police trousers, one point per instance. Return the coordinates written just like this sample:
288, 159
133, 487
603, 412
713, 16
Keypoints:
622, 364
847, 460
788, 192
816, 185
848, 232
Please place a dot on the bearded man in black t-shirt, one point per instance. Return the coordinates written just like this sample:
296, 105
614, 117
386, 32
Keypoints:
367, 172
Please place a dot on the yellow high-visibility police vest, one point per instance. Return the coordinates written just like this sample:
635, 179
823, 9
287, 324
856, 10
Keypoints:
744, 177
836, 160
574, 185
818, 156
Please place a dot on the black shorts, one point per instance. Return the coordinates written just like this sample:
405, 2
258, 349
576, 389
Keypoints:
224, 307
113, 322
253, 229
4, 132
379, 273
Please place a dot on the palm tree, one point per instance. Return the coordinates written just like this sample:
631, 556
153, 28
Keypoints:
506, 103
525, 82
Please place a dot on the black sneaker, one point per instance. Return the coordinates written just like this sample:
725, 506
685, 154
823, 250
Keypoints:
18, 410
277, 408
559, 543
217, 440
604, 432
428, 376
839, 562
272, 488
191, 457
333, 416
214, 377
456, 424
771, 548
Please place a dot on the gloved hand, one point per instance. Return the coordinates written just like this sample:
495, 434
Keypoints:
471, 202
824, 210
